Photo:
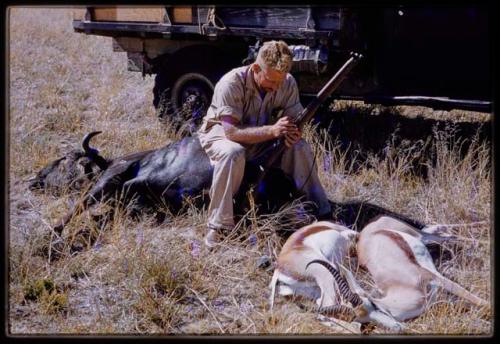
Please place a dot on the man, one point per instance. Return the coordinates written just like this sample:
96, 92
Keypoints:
240, 117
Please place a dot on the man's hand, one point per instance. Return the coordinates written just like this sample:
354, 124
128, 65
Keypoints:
285, 127
292, 138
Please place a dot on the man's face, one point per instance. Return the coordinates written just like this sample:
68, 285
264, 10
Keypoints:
268, 79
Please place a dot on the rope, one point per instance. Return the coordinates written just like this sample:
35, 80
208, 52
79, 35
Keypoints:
211, 21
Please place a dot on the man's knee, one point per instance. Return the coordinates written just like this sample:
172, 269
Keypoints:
233, 151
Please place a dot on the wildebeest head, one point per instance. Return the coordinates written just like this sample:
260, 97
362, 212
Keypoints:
72, 171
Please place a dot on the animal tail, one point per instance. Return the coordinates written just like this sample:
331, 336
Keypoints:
458, 290
272, 285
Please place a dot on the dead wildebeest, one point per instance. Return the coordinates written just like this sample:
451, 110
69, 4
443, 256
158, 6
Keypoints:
166, 175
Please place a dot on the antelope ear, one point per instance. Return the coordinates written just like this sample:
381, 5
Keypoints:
353, 284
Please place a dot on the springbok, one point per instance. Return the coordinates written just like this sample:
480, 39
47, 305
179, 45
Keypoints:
402, 280
327, 244
402, 269
322, 241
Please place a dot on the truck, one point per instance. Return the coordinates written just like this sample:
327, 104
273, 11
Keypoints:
436, 56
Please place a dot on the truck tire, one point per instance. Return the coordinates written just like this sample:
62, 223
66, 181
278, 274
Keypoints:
189, 85
187, 100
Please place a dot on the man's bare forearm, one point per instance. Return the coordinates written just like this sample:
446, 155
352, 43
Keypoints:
248, 135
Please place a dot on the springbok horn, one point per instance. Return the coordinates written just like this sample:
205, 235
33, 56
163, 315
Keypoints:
345, 291
92, 152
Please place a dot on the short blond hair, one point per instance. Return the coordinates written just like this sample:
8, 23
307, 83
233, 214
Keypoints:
275, 55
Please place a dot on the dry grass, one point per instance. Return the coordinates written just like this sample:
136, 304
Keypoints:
133, 276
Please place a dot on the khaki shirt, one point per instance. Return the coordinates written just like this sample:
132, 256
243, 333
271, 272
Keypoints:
237, 95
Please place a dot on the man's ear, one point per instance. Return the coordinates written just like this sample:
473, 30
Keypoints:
255, 67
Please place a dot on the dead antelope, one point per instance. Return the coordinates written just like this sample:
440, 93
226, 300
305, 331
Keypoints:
393, 252
297, 273
322, 241
401, 268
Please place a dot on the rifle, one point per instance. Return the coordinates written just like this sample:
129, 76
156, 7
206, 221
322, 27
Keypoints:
269, 155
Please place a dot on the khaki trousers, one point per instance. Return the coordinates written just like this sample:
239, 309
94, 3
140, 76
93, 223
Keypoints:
228, 159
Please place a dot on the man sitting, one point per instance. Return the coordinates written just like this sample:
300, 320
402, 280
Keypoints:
240, 117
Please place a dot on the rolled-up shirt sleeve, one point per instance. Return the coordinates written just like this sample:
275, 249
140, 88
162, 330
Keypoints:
228, 100
292, 106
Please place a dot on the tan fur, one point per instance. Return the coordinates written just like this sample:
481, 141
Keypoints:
385, 248
305, 245
403, 245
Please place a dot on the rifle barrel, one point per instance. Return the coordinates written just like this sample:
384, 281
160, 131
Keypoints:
327, 90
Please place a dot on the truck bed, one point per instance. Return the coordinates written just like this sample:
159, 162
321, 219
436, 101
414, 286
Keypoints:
265, 22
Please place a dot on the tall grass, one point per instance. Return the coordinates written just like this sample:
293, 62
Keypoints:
126, 275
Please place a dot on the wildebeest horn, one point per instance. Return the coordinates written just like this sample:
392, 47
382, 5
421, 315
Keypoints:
92, 152
86, 141
337, 310
345, 291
